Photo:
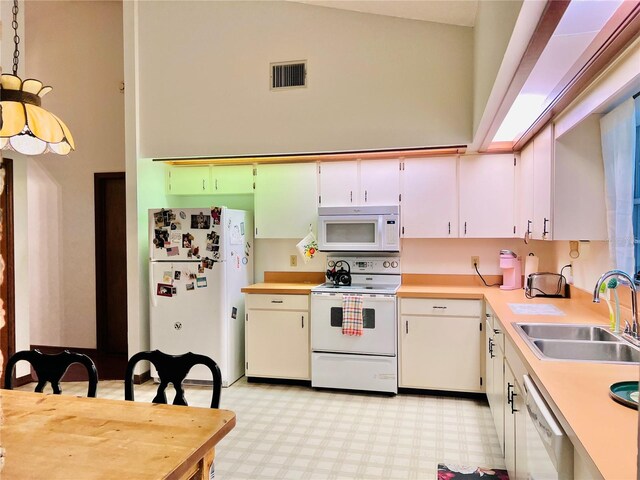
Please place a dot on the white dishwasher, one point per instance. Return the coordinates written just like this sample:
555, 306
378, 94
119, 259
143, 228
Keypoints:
549, 453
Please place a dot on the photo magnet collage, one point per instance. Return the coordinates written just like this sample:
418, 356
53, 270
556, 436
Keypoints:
175, 230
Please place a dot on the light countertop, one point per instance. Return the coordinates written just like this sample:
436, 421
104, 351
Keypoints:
279, 288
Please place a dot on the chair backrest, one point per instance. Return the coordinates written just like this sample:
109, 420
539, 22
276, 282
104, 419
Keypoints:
173, 369
51, 368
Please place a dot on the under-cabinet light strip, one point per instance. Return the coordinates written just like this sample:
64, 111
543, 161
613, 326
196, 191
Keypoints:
312, 157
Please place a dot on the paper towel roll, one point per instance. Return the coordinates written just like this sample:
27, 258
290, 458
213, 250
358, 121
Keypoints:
530, 265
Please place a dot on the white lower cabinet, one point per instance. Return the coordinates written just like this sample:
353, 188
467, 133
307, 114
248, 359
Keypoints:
277, 336
494, 373
505, 372
514, 425
440, 344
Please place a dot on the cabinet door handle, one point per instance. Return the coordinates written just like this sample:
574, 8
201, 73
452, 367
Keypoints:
216, 184
439, 308
203, 185
365, 195
449, 228
302, 321
406, 326
544, 228
509, 394
491, 348
496, 331
465, 228
513, 403
351, 196
276, 301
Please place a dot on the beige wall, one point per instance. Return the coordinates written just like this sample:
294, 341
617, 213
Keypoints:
435, 256
593, 261
453, 256
495, 21
373, 81
77, 48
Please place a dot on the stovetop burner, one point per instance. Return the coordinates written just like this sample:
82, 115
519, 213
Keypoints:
379, 289
373, 275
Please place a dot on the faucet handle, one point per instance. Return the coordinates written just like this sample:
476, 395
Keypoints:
627, 327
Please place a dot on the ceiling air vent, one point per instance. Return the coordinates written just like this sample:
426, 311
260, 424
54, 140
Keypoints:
288, 75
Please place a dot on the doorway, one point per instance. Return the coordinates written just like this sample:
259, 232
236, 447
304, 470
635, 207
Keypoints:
111, 275
7, 288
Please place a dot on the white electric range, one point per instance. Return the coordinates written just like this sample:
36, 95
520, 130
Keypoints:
367, 362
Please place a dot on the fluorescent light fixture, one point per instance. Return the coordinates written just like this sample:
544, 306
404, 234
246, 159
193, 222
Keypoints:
579, 25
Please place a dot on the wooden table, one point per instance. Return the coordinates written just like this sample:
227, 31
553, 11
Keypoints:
58, 436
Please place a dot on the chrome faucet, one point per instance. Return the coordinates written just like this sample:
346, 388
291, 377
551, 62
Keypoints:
634, 301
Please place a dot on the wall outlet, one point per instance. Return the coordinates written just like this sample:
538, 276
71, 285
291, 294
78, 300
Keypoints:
475, 262
570, 276
293, 260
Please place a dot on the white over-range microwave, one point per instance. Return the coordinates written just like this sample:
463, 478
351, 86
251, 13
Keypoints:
359, 229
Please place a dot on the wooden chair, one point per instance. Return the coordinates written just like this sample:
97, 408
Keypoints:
51, 368
173, 369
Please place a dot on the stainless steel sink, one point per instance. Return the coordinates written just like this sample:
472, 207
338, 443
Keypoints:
551, 331
588, 351
582, 343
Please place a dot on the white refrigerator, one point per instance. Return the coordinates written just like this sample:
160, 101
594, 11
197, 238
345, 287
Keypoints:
199, 259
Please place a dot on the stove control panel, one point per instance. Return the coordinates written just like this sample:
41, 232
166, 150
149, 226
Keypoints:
367, 264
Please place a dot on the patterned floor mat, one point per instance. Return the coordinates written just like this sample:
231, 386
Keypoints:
455, 472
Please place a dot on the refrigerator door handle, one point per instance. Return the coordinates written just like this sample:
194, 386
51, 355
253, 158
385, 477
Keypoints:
152, 293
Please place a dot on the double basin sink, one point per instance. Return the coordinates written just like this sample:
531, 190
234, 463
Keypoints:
585, 343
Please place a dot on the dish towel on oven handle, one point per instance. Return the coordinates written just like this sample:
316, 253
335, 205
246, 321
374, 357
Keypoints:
352, 321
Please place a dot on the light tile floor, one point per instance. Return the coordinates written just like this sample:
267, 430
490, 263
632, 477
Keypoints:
295, 432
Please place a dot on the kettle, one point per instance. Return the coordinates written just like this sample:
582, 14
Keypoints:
340, 276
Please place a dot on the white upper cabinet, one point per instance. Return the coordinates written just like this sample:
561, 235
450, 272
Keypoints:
208, 180
188, 180
561, 185
379, 182
524, 174
579, 211
542, 163
285, 200
487, 196
338, 183
359, 182
429, 197
228, 180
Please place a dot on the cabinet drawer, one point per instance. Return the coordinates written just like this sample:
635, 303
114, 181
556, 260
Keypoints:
513, 359
277, 302
489, 314
440, 307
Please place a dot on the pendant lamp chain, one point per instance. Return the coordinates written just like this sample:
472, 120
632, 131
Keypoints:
25, 126
16, 38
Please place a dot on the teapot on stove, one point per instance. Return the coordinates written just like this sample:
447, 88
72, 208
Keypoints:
338, 275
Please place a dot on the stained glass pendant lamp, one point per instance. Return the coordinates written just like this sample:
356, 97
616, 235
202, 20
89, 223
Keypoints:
26, 127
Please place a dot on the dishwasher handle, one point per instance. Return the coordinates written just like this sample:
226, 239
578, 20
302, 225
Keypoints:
556, 442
